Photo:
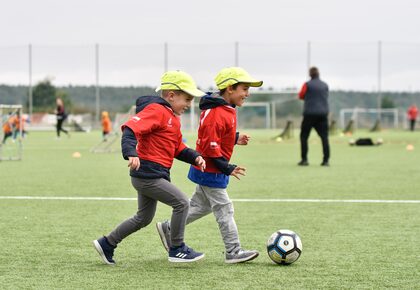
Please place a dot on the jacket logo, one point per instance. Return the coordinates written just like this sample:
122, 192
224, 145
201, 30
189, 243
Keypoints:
214, 145
136, 119
170, 122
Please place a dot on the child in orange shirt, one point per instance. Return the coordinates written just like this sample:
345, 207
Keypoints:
106, 125
7, 128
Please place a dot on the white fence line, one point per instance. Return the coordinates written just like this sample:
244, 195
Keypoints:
280, 200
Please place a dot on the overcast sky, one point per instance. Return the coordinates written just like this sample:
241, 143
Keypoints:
272, 37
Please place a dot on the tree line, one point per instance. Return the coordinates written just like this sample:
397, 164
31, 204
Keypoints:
82, 99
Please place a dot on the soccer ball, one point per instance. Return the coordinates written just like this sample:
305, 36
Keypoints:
284, 247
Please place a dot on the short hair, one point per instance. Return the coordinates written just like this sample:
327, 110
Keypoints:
234, 86
164, 93
314, 72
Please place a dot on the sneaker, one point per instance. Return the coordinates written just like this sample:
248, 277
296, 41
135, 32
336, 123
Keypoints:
325, 163
164, 231
303, 163
105, 250
241, 256
183, 254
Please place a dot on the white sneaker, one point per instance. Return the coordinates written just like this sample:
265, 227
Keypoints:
164, 231
241, 256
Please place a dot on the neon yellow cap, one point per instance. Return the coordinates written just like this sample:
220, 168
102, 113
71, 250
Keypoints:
232, 75
179, 80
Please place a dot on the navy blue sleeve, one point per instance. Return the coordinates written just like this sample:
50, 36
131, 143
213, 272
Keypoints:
128, 144
188, 155
223, 165
236, 137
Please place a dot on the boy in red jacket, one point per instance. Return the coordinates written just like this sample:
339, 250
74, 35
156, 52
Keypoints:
216, 138
151, 140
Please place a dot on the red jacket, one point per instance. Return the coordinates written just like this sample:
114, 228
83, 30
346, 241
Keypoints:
216, 135
303, 91
158, 133
412, 113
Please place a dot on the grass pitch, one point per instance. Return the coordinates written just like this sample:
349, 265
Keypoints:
46, 244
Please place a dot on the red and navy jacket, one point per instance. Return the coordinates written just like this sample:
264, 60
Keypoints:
216, 138
154, 135
315, 95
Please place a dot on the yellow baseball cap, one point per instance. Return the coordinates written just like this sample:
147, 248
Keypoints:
232, 75
179, 80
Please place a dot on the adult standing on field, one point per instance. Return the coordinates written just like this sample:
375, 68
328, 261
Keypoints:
412, 114
314, 93
61, 116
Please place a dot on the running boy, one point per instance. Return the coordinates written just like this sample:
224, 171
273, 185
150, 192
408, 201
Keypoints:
151, 140
19, 122
216, 138
7, 128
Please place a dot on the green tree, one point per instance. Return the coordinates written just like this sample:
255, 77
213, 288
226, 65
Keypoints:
43, 95
387, 103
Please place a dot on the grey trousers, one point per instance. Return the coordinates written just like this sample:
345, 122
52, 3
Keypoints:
150, 191
208, 199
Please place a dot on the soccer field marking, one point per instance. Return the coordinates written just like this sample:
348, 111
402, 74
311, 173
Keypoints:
296, 200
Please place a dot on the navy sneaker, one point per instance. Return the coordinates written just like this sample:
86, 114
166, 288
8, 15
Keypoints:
164, 231
183, 254
105, 250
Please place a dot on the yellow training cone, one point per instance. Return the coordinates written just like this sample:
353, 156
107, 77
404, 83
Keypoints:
409, 147
77, 155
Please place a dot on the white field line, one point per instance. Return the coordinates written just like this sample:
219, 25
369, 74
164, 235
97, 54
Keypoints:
298, 200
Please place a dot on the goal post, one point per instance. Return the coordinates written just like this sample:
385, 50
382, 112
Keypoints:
367, 117
254, 115
251, 115
12, 132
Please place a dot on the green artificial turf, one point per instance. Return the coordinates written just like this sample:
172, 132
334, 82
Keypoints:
47, 244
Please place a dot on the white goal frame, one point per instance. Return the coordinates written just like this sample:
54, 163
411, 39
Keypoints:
356, 112
191, 118
265, 105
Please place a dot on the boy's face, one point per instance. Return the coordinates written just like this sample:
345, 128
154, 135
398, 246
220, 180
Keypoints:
180, 102
238, 95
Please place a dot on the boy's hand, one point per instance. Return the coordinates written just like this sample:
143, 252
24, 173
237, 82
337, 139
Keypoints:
243, 139
200, 162
238, 171
134, 163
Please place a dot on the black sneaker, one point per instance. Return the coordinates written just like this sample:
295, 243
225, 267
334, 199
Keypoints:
105, 250
303, 163
164, 231
183, 254
325, 163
